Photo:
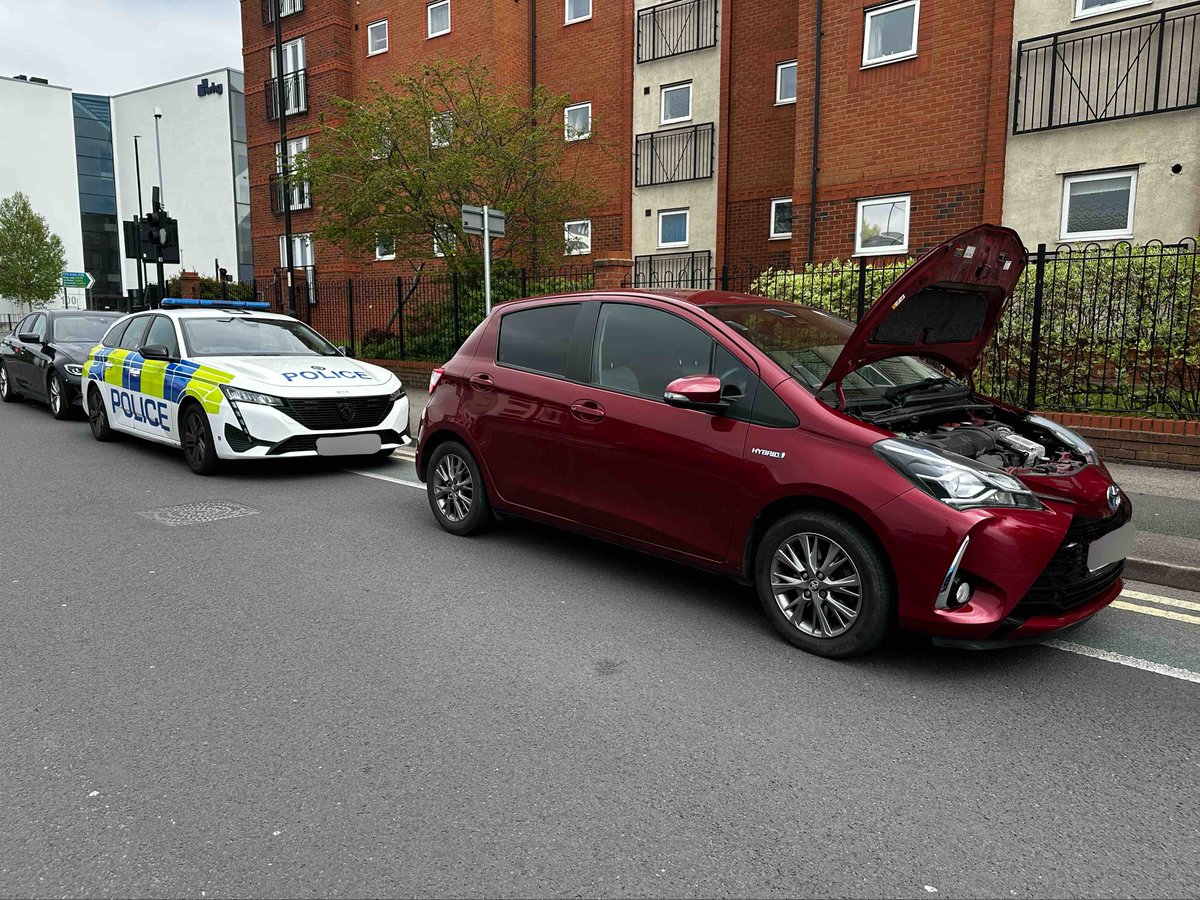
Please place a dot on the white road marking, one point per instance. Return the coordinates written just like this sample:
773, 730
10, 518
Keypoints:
1122, 660
1160, 613
412, 484
1165, 601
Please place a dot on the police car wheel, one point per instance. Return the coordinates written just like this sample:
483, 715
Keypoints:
457, 494
59, 396
199, 450
98, 416
8, 393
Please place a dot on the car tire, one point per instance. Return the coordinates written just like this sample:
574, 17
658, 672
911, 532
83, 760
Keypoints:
58, 395
457, 494
8, 391
824, 584
98, 416
195, 436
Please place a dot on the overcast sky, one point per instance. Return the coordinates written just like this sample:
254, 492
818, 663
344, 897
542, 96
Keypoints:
113, 46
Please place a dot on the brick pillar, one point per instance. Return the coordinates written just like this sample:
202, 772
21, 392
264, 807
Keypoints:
613, 272
189, 285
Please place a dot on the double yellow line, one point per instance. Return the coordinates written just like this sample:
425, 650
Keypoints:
1157, 610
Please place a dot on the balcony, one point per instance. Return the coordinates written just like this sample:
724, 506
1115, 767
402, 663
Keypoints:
295, 94
674, 270
679, 26
680, 154
298, 194
286, 8
1135, 66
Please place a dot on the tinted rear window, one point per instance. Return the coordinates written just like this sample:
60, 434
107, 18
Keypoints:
538, 339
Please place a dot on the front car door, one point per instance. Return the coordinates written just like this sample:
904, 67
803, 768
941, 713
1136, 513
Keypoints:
160, 407
123, 378
28, 354
14, 352
656, 473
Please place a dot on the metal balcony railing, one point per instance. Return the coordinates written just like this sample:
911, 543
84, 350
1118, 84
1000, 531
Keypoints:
298, 194
1135, 66
680, 154
286, 8
679, 26
295, 94
674, 270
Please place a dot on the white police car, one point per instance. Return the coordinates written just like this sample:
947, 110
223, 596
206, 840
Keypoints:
228, 380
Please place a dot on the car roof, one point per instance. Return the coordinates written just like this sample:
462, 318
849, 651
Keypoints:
693, 297
109, 313
211, 313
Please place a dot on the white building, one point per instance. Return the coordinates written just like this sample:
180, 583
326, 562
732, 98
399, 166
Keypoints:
74, 157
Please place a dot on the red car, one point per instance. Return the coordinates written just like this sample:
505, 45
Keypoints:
853, 484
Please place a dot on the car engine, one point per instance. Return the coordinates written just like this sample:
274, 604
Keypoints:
999, 445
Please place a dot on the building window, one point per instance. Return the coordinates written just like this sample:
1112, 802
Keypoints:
578, 237
882, 227
1085, 8
385, 246
577, 122
302, 251
438, 17
673, 228
441, 129
676, 103
443, 240
890, 33
785, 83
377, 37
1098, 206
578, 11
781, 218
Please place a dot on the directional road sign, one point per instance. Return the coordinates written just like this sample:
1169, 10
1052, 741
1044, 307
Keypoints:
77, 280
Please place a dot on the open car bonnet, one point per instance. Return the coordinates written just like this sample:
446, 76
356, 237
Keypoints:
944, 308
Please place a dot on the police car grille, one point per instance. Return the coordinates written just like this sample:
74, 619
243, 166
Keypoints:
339, 414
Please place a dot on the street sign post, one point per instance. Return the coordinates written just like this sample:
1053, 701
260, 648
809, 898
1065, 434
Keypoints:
490, 223
77, 280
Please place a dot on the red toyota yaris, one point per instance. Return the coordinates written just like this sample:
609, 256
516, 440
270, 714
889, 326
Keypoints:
855, 485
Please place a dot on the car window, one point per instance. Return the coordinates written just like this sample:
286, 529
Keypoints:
538, 339
738, 384
80, 329
38, 326
113, 337
24, 325
640, 350
162, 331
771, 411
134, 334
244, 336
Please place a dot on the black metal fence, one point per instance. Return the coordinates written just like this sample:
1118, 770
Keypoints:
674, 27
678, 154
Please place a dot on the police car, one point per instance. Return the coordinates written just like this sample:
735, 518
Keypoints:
230, 380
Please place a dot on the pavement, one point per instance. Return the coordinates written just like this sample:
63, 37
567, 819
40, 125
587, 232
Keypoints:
323, 694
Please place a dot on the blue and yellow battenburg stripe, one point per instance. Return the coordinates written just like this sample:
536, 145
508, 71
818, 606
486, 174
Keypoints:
170, 381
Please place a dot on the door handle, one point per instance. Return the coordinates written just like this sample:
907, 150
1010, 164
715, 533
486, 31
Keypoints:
587, 410
135, 371
482, 381
108, 365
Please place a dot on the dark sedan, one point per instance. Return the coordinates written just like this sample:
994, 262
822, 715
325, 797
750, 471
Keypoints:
43, 358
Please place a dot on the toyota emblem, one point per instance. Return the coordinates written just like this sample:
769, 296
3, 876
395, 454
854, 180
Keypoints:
346, 411
1114, 497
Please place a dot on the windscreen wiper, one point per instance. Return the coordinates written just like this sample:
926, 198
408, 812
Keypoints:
896, 391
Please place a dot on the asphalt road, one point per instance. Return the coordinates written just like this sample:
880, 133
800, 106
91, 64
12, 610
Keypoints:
331, 697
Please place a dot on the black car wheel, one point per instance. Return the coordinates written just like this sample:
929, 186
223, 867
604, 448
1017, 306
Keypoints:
98, 416
457, 494
59, 396
199, 450
8, 393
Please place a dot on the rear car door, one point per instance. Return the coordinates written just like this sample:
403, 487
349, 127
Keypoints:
647, 470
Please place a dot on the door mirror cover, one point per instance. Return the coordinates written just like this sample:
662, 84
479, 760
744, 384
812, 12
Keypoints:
701, 392
345, 351
155, 351
29, 337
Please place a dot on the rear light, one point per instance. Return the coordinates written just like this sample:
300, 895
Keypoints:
434, 377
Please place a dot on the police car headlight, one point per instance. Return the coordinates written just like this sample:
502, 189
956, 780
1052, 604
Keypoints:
397, 394
73, 369
242, 396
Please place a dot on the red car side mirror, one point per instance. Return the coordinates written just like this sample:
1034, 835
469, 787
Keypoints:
701, 392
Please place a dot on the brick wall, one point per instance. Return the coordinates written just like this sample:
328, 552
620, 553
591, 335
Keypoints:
1173, 443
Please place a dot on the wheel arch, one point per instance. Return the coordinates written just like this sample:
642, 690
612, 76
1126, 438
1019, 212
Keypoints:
441, 435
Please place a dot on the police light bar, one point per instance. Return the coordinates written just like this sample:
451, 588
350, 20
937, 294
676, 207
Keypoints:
187, 303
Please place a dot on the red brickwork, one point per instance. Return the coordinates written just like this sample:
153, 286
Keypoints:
1174, 443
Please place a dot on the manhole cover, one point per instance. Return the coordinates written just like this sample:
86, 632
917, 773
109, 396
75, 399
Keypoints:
198, 513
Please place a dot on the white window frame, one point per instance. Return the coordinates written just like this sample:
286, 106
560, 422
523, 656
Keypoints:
662, 103
437, 139
1112, 233
779, 67
384, 48
440, 243
567, 20
583, 245
868, 63
429, 32
687, 228
379, 243
295, 145
570, 135
895, 250
779, 235
1081, 13
298, 241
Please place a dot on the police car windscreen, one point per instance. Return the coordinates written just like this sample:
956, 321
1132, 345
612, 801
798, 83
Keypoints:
81, 329
240, 336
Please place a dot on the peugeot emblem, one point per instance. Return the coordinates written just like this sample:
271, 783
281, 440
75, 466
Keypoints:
346, 411
1114, 497
317, 368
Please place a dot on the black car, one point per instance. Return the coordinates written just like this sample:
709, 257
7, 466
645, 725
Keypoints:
43, 358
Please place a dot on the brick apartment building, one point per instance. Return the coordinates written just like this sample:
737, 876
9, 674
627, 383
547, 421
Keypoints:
722, 103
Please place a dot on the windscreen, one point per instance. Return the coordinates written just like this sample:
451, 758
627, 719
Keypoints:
806, 343
245, 336
81, 329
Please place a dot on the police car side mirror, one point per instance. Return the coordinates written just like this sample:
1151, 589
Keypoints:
155, 351
344, 350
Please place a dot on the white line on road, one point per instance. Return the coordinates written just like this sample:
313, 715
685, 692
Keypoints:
1161, 613
1122, 660
1165, 601
412, 484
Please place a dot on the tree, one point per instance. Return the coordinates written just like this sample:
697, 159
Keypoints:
398, 167
31, 255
